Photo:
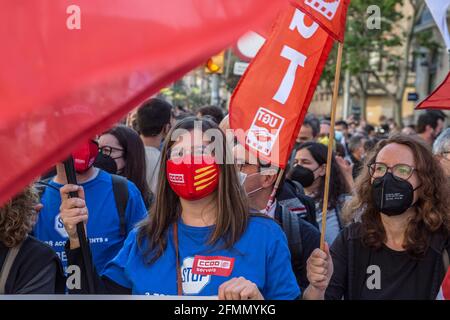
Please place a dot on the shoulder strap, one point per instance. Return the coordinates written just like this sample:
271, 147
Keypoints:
120, 189
7, 265
291, 227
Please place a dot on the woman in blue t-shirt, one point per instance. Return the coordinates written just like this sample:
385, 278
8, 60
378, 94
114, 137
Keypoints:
199, 238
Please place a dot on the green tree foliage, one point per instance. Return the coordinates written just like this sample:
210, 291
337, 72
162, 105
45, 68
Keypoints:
378, 50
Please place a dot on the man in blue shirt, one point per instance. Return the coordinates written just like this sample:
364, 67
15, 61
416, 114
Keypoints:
104, 226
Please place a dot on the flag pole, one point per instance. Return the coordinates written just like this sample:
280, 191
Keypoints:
275, 189
337, 76
81, 231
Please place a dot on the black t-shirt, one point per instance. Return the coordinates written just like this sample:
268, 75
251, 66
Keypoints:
36, 269
396, 275
365, 273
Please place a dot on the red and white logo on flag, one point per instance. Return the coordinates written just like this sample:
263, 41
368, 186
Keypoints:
264, 131
329, 14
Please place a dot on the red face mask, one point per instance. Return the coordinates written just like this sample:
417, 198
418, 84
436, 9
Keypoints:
193, 177
84, 156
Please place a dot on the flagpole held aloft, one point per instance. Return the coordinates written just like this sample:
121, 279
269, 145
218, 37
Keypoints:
330, 144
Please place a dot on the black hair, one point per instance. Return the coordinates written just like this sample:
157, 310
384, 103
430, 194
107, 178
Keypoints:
368, 128
429, 118
313, 123
319, 153
215, 113
342, 123
135, 168
153, 116
370, 144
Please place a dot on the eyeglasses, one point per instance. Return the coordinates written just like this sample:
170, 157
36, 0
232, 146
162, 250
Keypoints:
108, 150
261, 165
401, 171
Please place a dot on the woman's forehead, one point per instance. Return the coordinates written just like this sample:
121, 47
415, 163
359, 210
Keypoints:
108, 140
395, 153
189, 139
304, 154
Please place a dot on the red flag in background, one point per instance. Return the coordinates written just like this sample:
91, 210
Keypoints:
439, 99
274, 94
68, 72
329, 14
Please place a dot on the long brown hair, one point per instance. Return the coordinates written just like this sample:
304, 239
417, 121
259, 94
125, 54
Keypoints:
231, 203
17, 217
432, 206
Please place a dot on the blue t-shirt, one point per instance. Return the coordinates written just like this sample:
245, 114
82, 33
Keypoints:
103, 227
261, 255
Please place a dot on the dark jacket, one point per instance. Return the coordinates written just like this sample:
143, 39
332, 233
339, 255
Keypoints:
302, 236
350, 257
293, 195
36, 269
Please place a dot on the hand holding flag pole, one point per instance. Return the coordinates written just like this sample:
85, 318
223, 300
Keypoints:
81, 232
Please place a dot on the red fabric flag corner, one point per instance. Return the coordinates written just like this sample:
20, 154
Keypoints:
439, 99
331, 15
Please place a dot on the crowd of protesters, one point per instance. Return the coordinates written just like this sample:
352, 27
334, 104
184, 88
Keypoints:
160, 207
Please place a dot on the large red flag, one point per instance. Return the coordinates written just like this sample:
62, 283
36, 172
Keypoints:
439, 99
329, 14
272, 98
69, 71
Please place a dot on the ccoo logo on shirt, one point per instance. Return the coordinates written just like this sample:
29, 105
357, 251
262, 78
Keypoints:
192, 283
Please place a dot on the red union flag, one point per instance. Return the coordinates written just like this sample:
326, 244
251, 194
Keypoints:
272, 98
329, 14
71, 69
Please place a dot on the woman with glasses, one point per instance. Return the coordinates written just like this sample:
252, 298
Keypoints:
199, 238
122, 152
399, 249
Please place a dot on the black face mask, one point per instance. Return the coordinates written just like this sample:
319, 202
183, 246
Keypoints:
391, 196
106, 163
303, 175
